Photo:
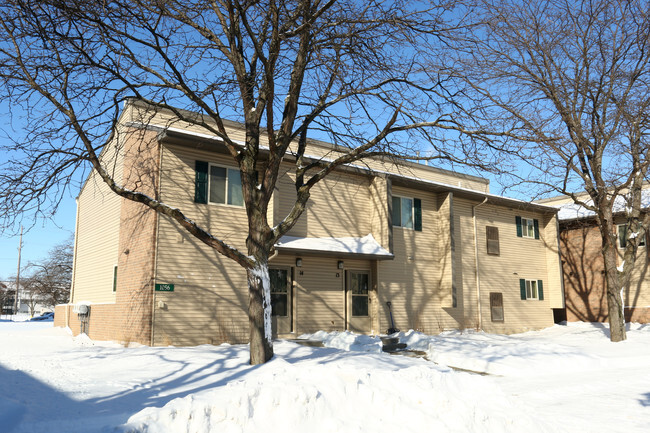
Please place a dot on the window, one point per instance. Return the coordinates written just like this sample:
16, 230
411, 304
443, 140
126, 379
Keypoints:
407, 213
496, 307
527, 227
531, 289
225, 186
279, 294
622, 237
492, 239
359, 288
115, 278
217, 184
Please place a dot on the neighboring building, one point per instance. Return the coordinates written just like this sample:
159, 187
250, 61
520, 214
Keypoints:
584, 270
439, 247
27, 300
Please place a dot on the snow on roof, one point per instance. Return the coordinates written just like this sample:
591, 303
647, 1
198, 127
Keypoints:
366, 245
572, 211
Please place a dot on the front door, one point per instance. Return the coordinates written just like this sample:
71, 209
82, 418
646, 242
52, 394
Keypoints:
281, 302
358, 301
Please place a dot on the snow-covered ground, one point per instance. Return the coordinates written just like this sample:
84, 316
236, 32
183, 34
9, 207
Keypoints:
561, 379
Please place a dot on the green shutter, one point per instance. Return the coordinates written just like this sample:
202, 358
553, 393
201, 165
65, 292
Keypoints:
417, 217
540, 290
519, 229
622, 236
536, 226
201, 182
522, 288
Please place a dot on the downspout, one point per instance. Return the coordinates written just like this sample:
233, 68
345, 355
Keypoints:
74, 262
478, 277
155, 247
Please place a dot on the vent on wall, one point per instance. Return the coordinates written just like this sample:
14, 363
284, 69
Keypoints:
81, 309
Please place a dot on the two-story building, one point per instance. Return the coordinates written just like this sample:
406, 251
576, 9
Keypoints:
436, 244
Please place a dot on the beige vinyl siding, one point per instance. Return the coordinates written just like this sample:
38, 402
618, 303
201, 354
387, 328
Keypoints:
520, 258
637, 293
418, 280
466, 262
138, 114
553, 265
379, 212
210, 297
96, 242
340, 205
319, 293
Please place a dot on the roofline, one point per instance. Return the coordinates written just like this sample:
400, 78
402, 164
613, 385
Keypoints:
235, 124
472, 194
477, 195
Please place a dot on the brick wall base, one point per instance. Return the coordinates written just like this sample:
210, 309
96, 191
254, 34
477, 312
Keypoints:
104, 324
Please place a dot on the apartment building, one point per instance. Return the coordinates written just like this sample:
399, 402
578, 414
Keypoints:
437, 245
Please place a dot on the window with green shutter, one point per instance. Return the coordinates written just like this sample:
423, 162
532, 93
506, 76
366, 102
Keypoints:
527, 227
217, 184
531, 289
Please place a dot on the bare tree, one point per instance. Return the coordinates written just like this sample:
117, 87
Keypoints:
48, 281
570, 83
348, 71
4, 297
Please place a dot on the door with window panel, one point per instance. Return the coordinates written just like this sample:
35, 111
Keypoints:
281, 300
358, 301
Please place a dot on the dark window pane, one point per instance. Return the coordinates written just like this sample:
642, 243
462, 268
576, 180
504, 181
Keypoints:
217, 184
622, 236
360, 305
397, 211
278, 304
235, 194
359, 283
278, 279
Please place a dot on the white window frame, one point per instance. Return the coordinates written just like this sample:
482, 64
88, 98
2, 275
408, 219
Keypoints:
618, 236
225, 203
529, 290
412, 220
528, 230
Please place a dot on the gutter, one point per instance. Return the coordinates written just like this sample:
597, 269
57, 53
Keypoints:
478, 277
74, 263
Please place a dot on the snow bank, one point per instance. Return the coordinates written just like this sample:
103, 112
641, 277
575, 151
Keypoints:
347, 340
338, 395
564, 378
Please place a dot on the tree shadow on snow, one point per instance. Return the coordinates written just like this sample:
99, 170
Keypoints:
645, 401
24, 398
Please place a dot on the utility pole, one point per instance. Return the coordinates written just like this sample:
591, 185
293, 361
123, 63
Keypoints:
20, 246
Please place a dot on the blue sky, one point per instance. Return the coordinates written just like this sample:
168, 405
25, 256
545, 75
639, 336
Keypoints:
38, 240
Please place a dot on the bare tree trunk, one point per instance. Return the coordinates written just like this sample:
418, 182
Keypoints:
259, 314
615, 281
